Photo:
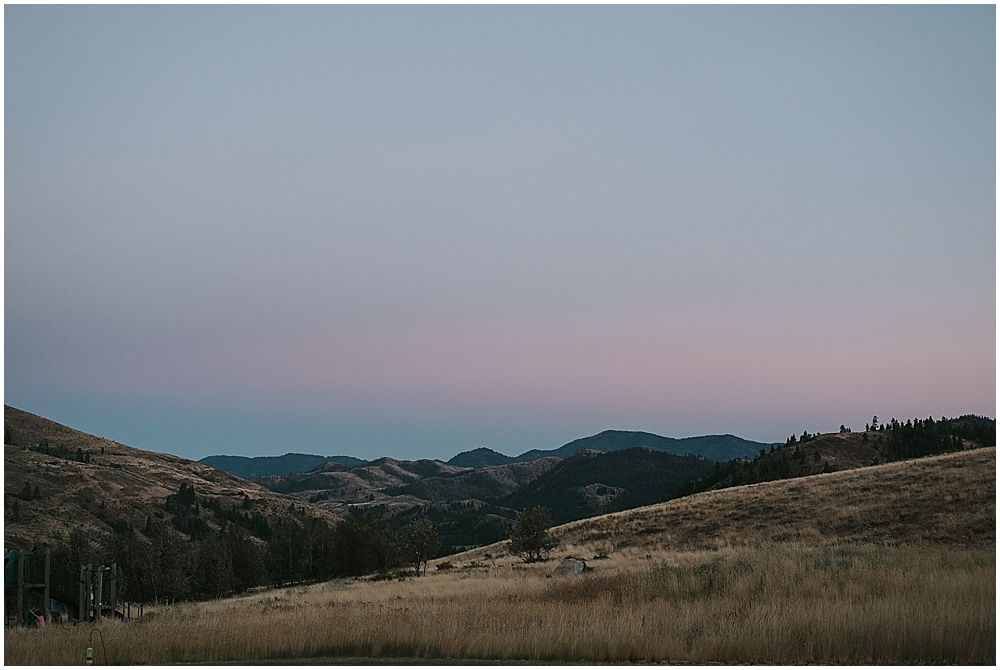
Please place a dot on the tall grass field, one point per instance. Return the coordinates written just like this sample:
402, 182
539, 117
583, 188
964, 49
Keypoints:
780, 604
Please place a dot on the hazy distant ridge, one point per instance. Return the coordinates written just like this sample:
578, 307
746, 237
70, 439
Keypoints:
714, 447
263, 466
480, 458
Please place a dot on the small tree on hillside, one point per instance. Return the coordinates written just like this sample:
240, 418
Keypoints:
420, 544
529, 539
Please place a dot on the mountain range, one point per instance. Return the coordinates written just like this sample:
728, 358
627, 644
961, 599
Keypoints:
714, 447
249, 467
475, 506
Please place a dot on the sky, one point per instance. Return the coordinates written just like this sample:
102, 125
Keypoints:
411, 231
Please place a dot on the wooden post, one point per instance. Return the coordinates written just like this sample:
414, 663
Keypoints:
89, 593
21, 558
82, 607
114, 589
20, 588
46, 606
99, 594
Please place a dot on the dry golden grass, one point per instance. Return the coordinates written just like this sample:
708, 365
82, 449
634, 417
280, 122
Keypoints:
784, 604
948, 499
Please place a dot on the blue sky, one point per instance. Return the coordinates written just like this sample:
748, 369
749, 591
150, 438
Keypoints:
412, 231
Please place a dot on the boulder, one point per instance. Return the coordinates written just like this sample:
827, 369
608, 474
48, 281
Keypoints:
570, 566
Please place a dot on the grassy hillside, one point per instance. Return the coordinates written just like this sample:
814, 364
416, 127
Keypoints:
80, 481
947, 500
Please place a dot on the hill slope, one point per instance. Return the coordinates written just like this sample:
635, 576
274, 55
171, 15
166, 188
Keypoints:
590, 482
82, 481
948, 500
489, 483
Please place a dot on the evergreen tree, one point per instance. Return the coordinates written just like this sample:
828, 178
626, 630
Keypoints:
247, 558
213, 569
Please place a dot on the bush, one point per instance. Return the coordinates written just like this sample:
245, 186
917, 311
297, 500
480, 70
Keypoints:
530, 540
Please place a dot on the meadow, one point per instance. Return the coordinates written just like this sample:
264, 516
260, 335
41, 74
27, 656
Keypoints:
781, 604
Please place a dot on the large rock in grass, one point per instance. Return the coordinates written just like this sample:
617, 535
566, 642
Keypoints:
570, 566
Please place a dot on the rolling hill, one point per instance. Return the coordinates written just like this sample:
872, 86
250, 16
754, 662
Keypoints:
488, 483
945, 500
57, 479
590, 482
479, 458
358, 483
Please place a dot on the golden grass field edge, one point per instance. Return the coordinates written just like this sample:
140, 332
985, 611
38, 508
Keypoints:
782, 604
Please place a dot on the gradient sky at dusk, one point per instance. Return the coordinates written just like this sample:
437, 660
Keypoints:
412, 231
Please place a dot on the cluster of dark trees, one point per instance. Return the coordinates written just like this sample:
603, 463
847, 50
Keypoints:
462, 523
893, 441
28, 494
176, 555
926, 437
58, 450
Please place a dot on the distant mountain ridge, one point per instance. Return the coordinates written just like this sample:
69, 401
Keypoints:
480, 458
358, 480
713, 447
248, 467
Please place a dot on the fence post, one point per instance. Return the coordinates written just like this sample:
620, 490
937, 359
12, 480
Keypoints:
89, 592
99, 595
20, 587
114, 589
47, 608
81, 610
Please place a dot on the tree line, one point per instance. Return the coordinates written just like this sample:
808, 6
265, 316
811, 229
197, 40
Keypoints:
181, 557
892, 441
926, 437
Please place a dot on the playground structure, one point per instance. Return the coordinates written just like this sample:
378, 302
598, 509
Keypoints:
34, 584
